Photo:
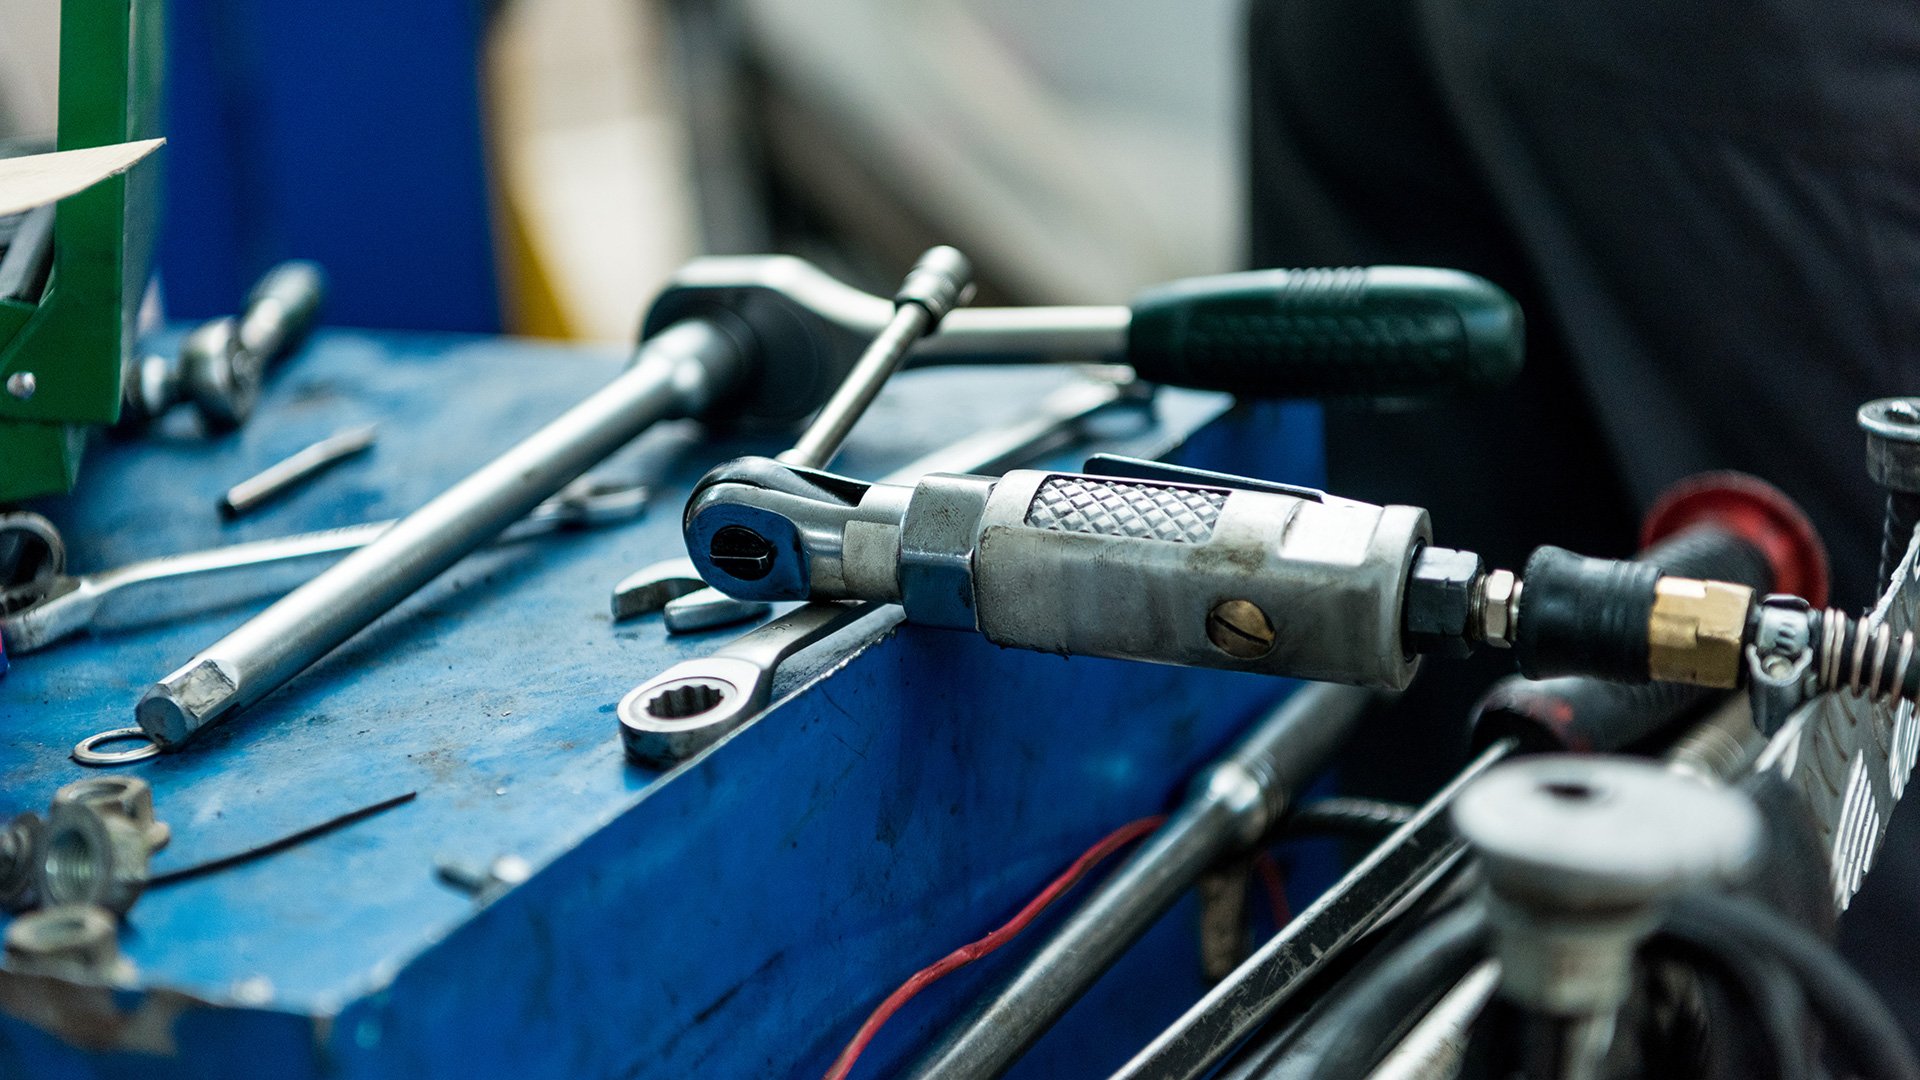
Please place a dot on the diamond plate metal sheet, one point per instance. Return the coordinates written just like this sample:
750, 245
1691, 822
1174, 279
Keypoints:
1850, 756
1143, 511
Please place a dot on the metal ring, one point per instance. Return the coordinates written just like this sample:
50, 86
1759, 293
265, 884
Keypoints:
85, 754
1897, 685
1859, 656
1882, 640
1834, 631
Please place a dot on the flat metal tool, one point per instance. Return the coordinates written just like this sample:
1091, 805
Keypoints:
644, 592
282, 477
175, 586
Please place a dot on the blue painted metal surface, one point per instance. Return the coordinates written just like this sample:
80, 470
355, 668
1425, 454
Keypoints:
737, 916
347, 133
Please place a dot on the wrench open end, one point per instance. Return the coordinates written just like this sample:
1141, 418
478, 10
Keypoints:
646, 591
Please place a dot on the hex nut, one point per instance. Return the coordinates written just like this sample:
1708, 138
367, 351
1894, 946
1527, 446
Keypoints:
1499, 603
129, 796
93, 855
1441, 599
20, 845
75, 942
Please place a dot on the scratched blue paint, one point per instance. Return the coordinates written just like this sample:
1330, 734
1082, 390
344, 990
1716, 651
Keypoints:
740, 914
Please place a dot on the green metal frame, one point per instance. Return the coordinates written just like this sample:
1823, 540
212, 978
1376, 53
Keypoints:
80, 336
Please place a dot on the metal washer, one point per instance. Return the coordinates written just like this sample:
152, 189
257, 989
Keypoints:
85, 753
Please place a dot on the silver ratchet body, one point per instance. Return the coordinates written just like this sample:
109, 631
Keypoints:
1167, 565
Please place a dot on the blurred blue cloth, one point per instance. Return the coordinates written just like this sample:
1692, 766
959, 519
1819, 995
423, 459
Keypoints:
347, 133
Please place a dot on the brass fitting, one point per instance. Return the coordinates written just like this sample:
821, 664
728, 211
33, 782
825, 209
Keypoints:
1695, 631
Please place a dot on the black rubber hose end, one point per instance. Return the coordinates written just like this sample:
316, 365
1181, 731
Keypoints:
1582, 616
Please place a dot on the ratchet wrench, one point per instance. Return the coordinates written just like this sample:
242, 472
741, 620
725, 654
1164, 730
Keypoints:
695, 703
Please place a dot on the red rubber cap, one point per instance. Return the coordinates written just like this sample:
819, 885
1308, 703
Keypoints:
1755, 511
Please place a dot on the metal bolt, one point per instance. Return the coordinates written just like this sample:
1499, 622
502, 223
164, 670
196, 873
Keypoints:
1578, 854
22, 384
1892, 427
1240, 629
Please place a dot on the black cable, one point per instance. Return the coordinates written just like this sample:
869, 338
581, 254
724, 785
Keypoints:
274, 846
1359, 1029
1863, 1032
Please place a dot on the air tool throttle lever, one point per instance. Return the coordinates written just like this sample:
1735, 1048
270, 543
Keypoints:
1177, 566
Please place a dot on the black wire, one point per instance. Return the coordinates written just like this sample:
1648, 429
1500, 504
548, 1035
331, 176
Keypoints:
275, 846
1863, 1032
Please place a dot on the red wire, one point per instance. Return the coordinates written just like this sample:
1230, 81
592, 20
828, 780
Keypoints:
967, 954
1276, 889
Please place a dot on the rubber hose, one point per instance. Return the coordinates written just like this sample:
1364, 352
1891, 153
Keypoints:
1778, 1005
1863, 1031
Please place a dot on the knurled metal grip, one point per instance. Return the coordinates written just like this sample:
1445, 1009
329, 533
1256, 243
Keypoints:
1382, 330
1197, 576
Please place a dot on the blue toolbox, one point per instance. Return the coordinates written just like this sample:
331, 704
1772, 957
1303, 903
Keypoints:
741, 913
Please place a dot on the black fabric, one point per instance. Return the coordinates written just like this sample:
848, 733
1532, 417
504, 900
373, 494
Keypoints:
1711, 215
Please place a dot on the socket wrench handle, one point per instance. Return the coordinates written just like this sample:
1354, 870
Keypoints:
941, 281
678, 373
1269, 333
223, 363
282, 308
1372, 331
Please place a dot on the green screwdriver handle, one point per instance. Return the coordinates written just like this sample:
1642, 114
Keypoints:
1373, 331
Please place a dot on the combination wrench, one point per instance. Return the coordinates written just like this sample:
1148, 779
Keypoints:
173, 587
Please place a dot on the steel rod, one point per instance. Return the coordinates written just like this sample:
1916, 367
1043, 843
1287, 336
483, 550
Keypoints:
1233, 805
676, 374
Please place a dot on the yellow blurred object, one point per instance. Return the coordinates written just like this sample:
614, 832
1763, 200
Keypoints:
595, 207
